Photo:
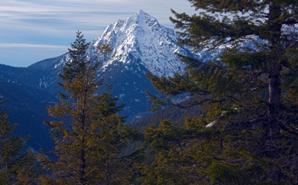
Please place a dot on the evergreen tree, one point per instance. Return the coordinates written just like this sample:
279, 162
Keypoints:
104, 49
248, 98
16, 167
28, 170
88, 148
274, 62
10, 148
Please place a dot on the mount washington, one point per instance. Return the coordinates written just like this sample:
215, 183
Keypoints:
138, 45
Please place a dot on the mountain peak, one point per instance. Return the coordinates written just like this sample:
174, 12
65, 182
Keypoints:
144, 16
140, 12
141, 19
143, 39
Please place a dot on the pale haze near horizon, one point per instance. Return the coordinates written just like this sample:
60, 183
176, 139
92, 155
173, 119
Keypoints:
33, 30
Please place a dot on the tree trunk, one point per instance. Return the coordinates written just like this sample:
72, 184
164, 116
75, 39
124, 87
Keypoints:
274, 99
274, 88
108, 175
83, 180
83, 117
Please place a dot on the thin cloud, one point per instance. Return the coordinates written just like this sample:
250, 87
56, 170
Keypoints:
29, 45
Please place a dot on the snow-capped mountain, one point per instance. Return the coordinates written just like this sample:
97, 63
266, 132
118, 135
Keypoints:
138, 38
141, 37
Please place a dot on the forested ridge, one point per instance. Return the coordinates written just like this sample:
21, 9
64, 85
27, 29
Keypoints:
240, 125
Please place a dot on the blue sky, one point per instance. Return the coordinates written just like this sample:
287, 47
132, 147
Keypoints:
32, 30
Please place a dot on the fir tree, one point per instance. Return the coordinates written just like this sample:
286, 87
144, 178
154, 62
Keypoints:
10, 148
28, 170
104, 49
88, 147
16, 167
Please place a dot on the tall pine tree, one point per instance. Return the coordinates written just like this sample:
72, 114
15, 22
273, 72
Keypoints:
269, 20
87, 147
